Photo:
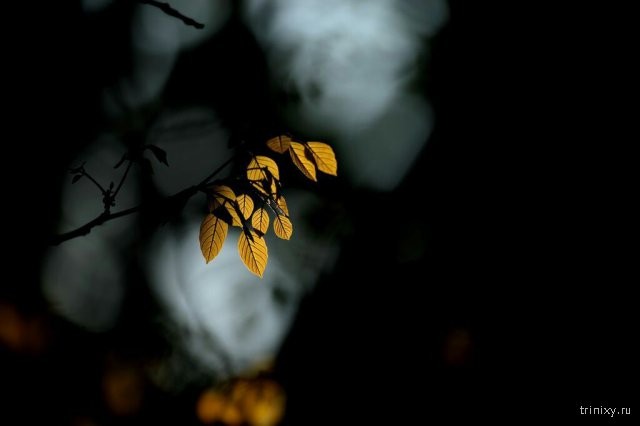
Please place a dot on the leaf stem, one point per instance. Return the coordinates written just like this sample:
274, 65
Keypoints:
204, 182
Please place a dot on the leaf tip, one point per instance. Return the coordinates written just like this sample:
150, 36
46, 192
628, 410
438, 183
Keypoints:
279, 144
159, 153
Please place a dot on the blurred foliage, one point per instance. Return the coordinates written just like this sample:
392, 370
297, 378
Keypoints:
22, 333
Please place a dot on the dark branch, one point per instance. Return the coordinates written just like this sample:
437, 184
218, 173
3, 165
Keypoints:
81, 170
165, 203
86, 228
166, 8
206, 180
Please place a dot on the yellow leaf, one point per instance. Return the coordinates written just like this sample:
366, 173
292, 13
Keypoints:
213, 232
253, 252
259, 187
221, 193
258, 167
282, 203
223, 196
260, 220
279, 144
324, 157
245, 203
283, 227
301, 161
232, 210
279, 207
264, 188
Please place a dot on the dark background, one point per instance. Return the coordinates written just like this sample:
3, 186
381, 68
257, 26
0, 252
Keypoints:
526, 185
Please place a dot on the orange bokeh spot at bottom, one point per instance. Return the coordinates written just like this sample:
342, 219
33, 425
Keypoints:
256, 402
211, 405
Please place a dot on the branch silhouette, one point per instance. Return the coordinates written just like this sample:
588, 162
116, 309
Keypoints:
166, 8
162, 205
123, 178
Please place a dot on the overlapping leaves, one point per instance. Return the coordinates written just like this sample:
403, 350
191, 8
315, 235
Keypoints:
250, 210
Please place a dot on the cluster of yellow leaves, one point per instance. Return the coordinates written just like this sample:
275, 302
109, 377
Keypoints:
249, 211
307, 156
256, 402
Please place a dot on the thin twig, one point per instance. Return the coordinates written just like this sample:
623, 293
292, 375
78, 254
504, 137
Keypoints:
86, 228
107, 216
203, 183
122, 179
95, 182
166, 8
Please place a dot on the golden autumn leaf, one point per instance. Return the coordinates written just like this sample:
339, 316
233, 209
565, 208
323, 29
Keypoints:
213, 232
269, 187
266, 188
324, 157
279, 207
220, 194
262, 168
279, 144
223, 196
232, 208
245, 204
260, 187
299, 158
282, 226
253, 252
260, 220
282, 203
